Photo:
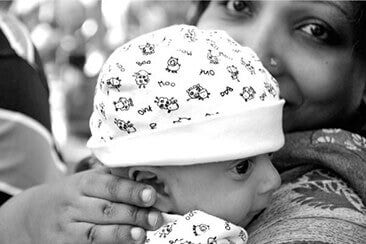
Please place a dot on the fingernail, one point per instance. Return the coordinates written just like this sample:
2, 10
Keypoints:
153, 218
146, 195
137, 233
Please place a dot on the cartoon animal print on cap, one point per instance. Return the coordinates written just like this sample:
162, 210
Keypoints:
263, 96
271, 90
213, 57
142, 78
190, 35
125, 126
197, 92
234, 72
165, 230
248, 93
123, 104
248, 65
212, 240
114, 82
200, 229
147, 49
173, 65
167, 104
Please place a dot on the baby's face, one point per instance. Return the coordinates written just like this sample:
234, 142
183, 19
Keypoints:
233, 190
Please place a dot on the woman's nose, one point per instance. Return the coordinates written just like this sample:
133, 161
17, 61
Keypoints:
263, 35
271, 179
259, 39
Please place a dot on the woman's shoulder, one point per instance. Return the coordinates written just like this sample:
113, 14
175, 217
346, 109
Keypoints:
336, 150
316, 207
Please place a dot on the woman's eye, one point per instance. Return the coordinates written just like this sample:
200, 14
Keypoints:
239, 6
243, 167
317, 31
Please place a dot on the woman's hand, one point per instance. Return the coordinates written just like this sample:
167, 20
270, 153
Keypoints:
89, 207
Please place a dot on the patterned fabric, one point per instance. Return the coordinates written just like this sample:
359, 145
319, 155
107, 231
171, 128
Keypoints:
189, 86
197, 227
317, 206
340, 151
351, 141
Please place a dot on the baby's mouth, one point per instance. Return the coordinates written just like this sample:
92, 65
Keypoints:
255, 214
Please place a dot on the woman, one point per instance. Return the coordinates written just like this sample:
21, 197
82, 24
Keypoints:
316, 51
317, 55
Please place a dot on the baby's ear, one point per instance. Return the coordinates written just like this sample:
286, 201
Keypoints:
143, 174
154, 177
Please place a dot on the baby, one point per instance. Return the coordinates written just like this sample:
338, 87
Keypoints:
195, 115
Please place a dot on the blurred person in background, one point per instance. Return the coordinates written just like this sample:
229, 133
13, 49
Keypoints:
28, 156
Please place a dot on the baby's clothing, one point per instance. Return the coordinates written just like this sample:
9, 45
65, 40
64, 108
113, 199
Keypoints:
182, 96
196, 227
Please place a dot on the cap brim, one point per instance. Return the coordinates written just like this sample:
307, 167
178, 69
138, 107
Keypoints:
220, 138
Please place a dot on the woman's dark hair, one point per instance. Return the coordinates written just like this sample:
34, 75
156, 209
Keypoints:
358, 124
359, 28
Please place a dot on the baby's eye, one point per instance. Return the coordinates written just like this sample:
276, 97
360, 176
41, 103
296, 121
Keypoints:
239, 7
243, 167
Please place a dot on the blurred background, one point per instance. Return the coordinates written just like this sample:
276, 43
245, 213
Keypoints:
74, 37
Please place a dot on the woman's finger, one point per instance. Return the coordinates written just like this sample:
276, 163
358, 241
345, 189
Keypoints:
101, 184
99, 211
119, 234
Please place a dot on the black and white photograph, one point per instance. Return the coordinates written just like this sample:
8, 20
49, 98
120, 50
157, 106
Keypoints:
182, 122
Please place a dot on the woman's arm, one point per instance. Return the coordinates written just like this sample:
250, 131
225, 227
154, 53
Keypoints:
89, 207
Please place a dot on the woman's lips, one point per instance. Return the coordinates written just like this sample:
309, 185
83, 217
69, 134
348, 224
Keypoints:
289, 90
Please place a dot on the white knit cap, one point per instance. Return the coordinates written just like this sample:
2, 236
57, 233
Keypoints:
182, 95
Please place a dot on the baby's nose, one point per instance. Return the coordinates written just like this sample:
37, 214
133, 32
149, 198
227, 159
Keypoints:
272, 180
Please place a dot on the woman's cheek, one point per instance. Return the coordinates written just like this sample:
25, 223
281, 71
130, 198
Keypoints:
322, 80
313, 88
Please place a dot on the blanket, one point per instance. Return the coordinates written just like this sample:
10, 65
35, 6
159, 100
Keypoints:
323, 193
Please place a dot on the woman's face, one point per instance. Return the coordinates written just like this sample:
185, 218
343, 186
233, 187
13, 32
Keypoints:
311, 47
